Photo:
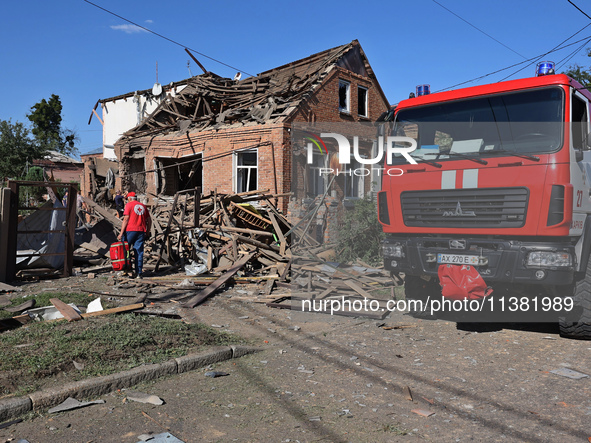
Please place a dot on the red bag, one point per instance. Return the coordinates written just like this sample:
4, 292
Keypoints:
120, 256
462, 282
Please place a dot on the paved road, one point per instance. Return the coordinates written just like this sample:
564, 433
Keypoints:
332, 379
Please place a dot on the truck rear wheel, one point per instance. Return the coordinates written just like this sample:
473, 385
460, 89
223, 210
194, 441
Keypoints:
577, 323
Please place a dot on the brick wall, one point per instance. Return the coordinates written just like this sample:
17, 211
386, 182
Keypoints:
323, 106
218, 152
272, 141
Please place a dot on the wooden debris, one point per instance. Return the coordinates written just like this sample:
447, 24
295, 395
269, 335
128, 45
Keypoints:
67, 311
216, 236
407, 393
118, 310
4, 301
14, 322
22, 307
202, 295
8, 288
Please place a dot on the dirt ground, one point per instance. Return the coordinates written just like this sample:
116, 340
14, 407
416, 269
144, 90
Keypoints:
341, 379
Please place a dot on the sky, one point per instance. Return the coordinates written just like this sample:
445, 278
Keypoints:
82, 53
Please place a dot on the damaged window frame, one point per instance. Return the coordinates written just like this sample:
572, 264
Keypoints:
239, 186
353, 185
362, 105
316, 179
344, 96
191, 165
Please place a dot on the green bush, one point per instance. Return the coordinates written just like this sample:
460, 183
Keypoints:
361, 235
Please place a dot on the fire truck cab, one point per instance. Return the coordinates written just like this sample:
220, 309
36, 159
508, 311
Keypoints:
501, 182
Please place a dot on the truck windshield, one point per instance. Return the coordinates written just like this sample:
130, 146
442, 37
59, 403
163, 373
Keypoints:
519, 123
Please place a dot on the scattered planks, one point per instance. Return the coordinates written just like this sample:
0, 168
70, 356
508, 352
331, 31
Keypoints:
202, 295
67, 311
117, 310
231, 237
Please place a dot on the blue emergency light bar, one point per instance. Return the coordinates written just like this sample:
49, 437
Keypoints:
544, 68
423, 90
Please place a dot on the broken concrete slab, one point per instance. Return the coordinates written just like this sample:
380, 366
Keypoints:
569, 373
142, 397
71, 403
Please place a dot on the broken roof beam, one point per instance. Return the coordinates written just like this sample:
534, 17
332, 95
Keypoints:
205, 71
172, 113
197, 107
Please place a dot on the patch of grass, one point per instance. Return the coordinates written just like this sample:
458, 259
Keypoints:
394, 429
31, 355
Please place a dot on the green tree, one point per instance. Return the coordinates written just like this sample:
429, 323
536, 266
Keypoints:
579, 73
46, 117
17, 149
361, 234
35, 174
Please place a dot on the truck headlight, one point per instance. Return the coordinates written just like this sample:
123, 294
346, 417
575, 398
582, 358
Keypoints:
549, 259
393, 250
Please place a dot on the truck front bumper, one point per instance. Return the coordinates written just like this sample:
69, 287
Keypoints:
497, 260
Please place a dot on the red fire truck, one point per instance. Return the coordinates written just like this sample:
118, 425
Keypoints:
501, 184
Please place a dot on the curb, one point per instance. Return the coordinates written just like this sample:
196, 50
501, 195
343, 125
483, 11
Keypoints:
13, 408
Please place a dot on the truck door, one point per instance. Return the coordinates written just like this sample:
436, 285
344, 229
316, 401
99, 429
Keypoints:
580, 161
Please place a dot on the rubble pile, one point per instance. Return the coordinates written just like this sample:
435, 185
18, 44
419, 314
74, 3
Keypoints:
224, 229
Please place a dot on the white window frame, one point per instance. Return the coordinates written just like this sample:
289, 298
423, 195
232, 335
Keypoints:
315, 180
238, 167
347, 107
365, 104
353, 181
376, 176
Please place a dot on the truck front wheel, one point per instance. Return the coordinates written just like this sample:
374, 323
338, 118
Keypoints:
415, 288
577, 323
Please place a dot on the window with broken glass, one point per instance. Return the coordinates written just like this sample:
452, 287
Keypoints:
362, 101
246, 171
344, 96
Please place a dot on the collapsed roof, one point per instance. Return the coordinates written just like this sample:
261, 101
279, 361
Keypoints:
212, 102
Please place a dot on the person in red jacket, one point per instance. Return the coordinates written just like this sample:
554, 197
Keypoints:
135, 229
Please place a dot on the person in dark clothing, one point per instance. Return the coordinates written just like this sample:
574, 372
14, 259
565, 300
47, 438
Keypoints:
119, 204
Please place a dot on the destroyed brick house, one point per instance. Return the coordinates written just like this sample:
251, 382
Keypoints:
233, 135
60, 167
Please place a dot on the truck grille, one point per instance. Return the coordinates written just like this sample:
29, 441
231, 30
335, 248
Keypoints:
465, 208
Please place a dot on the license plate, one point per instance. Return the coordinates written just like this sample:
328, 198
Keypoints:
458, 259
